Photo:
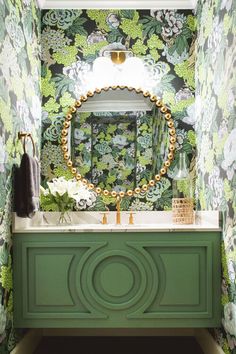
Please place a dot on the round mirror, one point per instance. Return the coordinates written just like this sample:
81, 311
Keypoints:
118, 140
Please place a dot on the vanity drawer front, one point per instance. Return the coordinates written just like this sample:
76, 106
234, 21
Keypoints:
117, 280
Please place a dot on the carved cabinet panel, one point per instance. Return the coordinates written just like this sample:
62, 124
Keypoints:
117, 280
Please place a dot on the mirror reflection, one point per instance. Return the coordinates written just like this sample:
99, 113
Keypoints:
119, 140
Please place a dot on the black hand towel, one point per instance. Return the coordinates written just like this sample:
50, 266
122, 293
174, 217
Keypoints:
27, 187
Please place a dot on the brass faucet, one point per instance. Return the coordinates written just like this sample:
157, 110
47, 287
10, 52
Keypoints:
118, 200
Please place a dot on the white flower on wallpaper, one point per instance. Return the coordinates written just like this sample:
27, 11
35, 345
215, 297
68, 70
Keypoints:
15, 32
229, 162
8, 61
175, 58
96, 37
35, 110
23, 115
210, 113
231, 268
229, 321
190, 117
112, 20
226, 4
80, 73
216, 184
172, 21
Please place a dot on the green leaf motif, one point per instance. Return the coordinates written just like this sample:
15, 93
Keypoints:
63, 84
127, 14
77, 27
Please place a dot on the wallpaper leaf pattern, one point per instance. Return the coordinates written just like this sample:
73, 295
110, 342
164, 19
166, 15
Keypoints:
216, 140
20, 109
73, 39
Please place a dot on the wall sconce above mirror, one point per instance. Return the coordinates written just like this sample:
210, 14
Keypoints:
120, 67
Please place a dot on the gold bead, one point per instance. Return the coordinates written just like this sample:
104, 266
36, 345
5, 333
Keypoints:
68, 117
64, 132
157, 177
129, 193
138, 90
163, 109
144, 187
106, 88
66, 155
114, 87
153, 98
83, 98
106, 192
121, 194
170, 123
172, 147
163, 171
78, 103
90, 93
113, 193
69, 163
98, 190
130, 88
151, 183
146, 93
64, 148
167, 163
97, 90
172, 139
78, 176
122, 87
158, 103
137, 190
84, 181
170, 156
91, 186
73, 170
73, 109
172, 131
167, 116
64, 141
66, 124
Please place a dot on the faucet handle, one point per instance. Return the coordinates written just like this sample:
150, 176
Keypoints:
131, 217
104, 218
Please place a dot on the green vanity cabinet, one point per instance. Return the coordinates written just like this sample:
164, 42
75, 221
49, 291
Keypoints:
117, 279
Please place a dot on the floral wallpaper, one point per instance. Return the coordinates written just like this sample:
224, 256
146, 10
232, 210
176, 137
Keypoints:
71, 41
216, 140
20, 109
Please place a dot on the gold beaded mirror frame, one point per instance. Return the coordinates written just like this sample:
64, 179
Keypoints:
130, 192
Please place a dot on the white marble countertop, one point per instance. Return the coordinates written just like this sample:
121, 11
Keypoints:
85, 221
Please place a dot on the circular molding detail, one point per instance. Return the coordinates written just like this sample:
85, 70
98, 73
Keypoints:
116, 280
109, 279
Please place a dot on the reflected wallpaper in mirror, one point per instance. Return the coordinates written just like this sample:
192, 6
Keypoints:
119, 150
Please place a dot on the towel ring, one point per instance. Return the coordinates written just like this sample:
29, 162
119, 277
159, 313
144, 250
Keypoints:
23, 135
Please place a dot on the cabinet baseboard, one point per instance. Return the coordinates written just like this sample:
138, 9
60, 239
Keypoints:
207, 342
29, 342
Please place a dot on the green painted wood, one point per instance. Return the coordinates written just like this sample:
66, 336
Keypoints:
117, 280
51, 272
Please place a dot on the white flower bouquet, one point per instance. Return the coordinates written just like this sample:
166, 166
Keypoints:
66, 195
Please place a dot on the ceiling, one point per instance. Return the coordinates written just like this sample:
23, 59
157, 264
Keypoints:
121, 4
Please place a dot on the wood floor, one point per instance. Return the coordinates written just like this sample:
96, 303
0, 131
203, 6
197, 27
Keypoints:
118, 345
